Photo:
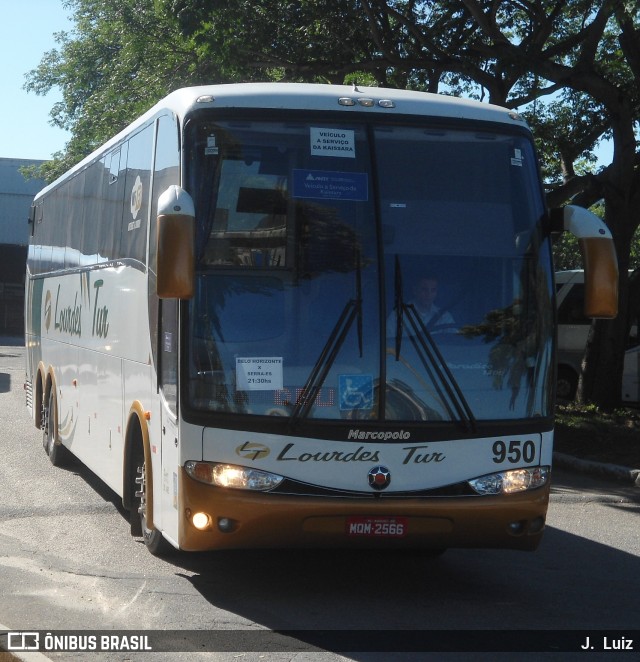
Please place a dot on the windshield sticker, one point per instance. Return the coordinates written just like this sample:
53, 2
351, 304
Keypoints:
324, 185
516, 159
259, 373
168, 342
211, 148
355, 392
333, 142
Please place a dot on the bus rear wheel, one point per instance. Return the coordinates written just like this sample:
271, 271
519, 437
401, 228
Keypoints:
58, 454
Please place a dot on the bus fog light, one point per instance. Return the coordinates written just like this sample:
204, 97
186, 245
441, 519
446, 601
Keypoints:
536, 525
201, 521
225, 524
510, 482
230, 475
516, 527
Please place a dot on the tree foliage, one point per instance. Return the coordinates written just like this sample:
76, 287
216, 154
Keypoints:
571, 66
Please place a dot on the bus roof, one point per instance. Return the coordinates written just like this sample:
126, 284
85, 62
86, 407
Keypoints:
308, 96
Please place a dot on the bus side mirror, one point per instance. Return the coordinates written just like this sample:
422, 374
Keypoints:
33, 212
175, 250
599, 259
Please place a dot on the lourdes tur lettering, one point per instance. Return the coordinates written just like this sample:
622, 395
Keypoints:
100, 315
418, 455
413, 455
68, 318
359, 455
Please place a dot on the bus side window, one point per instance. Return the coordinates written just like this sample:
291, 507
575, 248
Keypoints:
166, 172
112, 191
169, 352
93, 213
136, 195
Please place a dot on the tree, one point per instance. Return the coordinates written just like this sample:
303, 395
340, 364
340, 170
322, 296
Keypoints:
121, 57
584, 52
572, 66
597, 66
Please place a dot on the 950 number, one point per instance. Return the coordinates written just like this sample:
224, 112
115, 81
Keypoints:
515, 451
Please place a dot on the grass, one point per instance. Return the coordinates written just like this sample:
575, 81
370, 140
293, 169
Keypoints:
590, 434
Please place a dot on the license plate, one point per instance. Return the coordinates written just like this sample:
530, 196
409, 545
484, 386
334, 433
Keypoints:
377, 527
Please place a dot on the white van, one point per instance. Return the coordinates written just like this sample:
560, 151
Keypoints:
573, 330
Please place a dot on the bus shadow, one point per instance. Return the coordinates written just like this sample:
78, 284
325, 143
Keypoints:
5, 382
569, 583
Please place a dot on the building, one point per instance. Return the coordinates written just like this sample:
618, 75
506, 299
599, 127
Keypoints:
16, 194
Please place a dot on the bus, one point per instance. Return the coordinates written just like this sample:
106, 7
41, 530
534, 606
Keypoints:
225, 320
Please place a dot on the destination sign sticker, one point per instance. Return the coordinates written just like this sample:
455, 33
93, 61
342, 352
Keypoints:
328, 185
332, 142
259, 373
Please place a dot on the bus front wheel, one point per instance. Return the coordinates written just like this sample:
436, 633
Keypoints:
153, 539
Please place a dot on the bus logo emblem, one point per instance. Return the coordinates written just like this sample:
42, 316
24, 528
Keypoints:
253, 451
379, 478
136, 197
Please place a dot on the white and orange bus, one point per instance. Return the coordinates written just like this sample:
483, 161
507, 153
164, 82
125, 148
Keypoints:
274, 315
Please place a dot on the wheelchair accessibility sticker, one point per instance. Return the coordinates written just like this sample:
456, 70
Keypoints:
355, 392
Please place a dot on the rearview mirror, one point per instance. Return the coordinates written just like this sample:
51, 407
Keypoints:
176, 255
599, 259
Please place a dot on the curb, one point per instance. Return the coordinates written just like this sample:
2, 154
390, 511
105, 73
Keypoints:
613, 471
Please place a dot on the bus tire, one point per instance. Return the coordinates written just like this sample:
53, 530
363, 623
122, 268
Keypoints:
58, 454
153, 539
567, 384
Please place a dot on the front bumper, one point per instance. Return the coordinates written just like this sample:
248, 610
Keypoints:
263, 520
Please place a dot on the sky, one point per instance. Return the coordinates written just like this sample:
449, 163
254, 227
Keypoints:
28, 28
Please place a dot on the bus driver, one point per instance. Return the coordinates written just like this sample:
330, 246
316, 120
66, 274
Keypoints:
434, 318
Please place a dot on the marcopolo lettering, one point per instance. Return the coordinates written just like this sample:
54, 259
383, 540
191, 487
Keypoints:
378, 435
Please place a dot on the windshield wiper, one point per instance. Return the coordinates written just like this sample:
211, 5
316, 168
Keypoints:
436, 366
399, 306
434, 363
351, 312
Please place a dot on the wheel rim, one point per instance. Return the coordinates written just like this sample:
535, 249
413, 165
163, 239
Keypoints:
142, 499
50, 425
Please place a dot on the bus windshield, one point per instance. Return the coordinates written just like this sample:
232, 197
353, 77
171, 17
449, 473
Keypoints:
352, 271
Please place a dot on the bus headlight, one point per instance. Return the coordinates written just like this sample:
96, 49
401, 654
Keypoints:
230, 475
509, 482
